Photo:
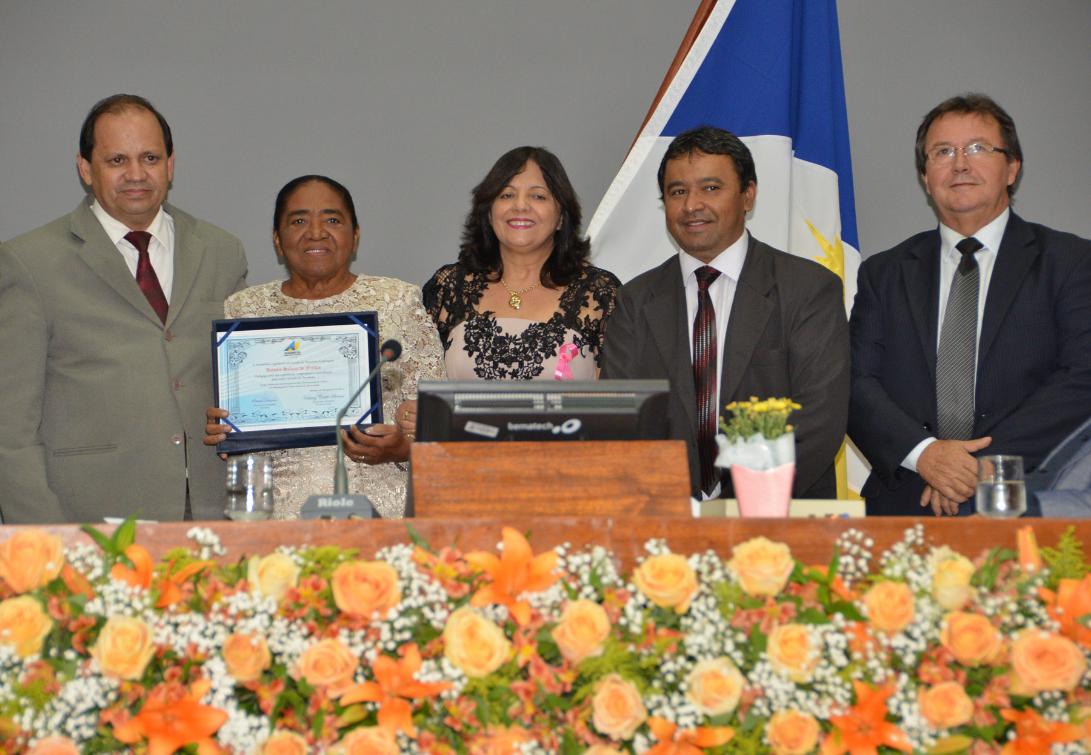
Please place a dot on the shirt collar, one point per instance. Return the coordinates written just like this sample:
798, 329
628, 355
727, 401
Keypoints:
117, 230
989, 235
729, 262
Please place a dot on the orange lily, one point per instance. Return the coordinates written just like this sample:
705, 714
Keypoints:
687, 741
395, 684
76, 583
864, 727
1068, 605
141, 573
517, 571
1030, 559
1035, 735
173, 717
170, 588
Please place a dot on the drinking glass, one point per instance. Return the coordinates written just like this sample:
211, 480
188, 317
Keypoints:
249, 488
1001, 490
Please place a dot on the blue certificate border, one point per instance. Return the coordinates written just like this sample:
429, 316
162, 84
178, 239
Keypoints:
243, 441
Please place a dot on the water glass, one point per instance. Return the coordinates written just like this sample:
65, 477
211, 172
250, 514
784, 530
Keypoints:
1001, 489
249, 488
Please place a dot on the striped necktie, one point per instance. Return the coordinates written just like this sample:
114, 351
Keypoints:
956, 361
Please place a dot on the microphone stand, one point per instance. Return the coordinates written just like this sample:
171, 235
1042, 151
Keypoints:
390, 351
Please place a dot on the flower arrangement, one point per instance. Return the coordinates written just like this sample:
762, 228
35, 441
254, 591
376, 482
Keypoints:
767, 418
917, 649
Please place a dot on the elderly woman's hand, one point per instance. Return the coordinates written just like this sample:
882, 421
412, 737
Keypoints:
378, 444
406, 417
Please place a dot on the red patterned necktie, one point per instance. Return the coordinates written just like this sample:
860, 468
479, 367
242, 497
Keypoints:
145, 274
704, 376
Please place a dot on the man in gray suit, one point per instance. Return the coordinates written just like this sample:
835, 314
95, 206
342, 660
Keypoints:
1061, 485
104, 325
778, 320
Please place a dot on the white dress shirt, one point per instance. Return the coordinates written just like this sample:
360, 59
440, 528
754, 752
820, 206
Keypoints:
160, 247
949, 259
722, 292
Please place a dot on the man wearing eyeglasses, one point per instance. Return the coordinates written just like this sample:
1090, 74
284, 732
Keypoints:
973, 338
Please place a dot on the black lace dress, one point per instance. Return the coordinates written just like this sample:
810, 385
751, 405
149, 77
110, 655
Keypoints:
485, 346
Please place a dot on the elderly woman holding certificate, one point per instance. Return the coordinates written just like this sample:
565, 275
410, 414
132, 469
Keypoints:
316, 233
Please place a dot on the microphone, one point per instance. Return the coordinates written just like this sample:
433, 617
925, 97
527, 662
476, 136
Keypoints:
388, 352
341, 505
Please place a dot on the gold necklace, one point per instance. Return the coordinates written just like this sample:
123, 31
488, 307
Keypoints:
515, 301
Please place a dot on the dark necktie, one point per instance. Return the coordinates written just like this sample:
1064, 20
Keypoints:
145, 274
704, 376
956, 361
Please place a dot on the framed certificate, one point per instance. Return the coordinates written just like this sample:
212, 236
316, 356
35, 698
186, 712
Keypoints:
284, 379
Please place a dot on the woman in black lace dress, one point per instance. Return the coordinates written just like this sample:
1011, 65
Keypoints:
522, 302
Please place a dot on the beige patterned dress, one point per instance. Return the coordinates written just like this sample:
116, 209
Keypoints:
301, 472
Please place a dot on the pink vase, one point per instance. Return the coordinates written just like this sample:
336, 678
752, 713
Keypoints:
763, 493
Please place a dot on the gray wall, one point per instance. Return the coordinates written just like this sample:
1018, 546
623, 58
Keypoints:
408, 102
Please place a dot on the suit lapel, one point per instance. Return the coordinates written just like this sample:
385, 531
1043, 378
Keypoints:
100, 254
1014, 258
667, 320
188, 253
921, 275
749, 313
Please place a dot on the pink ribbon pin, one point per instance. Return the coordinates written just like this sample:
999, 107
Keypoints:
566, 352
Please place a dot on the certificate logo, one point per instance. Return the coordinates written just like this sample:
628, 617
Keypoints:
294, 348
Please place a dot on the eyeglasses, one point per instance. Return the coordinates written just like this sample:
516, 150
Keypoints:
943, 153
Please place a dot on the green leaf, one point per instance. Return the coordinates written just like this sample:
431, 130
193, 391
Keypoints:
1067, 560
103, 542
125, 534
417, 539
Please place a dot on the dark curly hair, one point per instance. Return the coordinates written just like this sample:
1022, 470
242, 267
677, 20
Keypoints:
286, 191
480, 249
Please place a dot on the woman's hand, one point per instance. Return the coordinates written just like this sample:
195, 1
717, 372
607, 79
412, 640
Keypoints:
378, 444
406, 417
215, 431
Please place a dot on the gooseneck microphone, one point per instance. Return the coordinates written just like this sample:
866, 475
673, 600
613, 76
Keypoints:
388, 352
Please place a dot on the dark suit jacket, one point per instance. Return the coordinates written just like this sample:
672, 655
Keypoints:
102, 412
787, 336
1034, 354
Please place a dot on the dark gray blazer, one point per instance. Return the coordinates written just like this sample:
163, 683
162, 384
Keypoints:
103, 406
1034, 354
787, 336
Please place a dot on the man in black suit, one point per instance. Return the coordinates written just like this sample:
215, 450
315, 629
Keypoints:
777, 320
972, 338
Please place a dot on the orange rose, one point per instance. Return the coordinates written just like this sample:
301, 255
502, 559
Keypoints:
714, 686
474, 644
367, 740
889, 606
327, 663
602, 750
667, 580
761, 566
124, 647
582, 630
1042, 661
54, 746
30, 559
24, 625
362, 588
971, 638
273, 575
951, 574
791, 732
946, 705
283, 742
246, 656
616, 709
792, 652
